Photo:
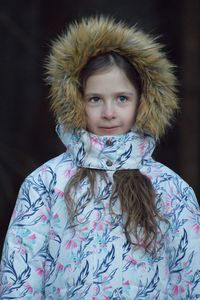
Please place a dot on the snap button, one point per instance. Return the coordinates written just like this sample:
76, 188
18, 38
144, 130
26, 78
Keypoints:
109, 163
109, 143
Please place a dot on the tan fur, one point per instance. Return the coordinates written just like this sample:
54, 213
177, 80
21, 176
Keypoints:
92, 36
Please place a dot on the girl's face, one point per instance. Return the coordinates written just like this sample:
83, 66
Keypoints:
111, 102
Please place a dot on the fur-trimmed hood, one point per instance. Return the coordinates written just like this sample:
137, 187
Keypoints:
95, 35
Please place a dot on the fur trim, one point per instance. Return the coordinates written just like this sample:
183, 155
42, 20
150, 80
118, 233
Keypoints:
95, 35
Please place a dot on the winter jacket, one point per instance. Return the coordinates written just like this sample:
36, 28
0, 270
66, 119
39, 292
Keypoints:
48, 257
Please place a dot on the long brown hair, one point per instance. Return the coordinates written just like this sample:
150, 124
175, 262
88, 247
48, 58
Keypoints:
134, 190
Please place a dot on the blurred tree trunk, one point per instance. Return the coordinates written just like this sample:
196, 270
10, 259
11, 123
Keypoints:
190, 75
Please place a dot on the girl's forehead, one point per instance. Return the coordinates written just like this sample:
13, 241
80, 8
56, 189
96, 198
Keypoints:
103, 71
113, 72
113, 79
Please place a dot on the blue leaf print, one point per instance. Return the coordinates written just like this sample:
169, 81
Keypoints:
189, 261
106, 237
67, 157
39, 185
117, 293
111, 239
105, 193
6, 294
82, 203
21, 279
80, 281
105, 263
43, 252
17, 279
195, 280
143, 291
109, 277
109, 149
83, 275
123, 158
85, 291
82, 252
89, 238
191, 198
21, 219
156, 297
127, 265
80, 155
52, 274
179, 254
8, 261
126, 248
162, 179
29, 205
150, 147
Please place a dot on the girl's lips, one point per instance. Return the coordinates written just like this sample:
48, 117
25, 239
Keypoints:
109, 128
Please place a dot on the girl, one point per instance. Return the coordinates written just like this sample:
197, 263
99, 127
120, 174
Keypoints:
104, 220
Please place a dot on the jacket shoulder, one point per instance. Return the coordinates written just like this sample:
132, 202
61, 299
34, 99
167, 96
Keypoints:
50, 174
167, 182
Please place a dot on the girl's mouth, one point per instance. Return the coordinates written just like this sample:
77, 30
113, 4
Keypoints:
109, 128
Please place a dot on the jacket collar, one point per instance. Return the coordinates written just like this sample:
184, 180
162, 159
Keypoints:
110, 153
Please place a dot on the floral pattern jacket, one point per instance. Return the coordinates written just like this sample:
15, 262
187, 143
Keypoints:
45, 256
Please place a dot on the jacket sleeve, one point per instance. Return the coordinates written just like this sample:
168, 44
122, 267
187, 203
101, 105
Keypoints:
184, 245
25, 248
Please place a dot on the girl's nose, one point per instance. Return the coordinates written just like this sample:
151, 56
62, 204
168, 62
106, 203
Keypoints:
109, 111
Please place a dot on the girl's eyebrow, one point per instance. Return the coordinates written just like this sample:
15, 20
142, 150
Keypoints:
92, 94
124, 92
116, 93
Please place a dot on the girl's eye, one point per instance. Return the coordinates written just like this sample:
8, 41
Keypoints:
123, 98
94, 99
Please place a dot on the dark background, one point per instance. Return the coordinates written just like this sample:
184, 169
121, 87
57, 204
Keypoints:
27, 136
